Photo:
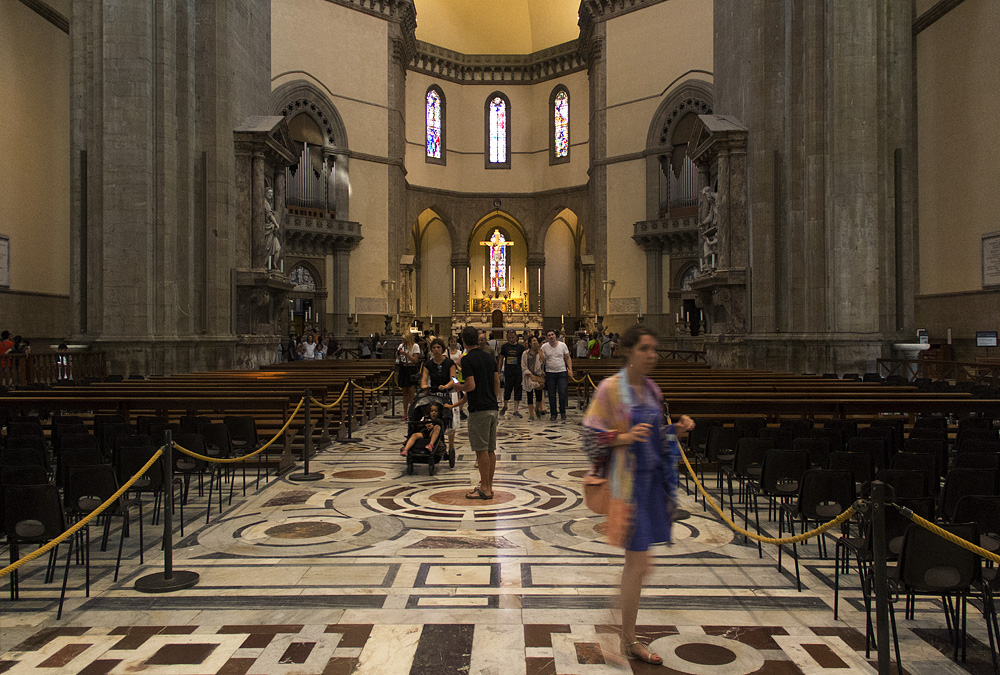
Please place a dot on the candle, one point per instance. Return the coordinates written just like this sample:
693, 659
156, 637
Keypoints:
432, 319
484, 277
453, 280
524, 290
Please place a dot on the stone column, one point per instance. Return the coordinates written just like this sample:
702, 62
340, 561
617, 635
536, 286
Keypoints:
460, 269
654, 282
536, 271
340, 289
250, 250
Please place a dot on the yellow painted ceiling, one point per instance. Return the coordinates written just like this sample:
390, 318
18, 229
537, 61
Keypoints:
497, 26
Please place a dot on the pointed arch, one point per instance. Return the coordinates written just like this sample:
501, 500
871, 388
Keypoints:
689, 97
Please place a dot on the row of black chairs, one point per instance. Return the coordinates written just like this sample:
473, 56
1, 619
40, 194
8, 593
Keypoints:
40, 492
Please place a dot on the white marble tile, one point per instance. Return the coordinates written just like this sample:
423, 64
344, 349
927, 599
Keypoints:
458, 575
389, 650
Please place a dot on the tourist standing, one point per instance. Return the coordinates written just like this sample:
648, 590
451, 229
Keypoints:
482, 388
629, 446
408, 363
533, 376
510, 357
307, 349
558, 370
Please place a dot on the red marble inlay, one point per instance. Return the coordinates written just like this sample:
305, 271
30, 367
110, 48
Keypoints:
302, 530
705, 654
457, 498
358, 473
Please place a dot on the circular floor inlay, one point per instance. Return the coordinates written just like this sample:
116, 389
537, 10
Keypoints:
302, 530
457, 498
708, 655
358, 473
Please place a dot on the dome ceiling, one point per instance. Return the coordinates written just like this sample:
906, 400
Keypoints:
497, 26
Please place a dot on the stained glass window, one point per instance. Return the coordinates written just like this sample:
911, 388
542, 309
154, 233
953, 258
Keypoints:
498, 130
434, 115
560, 106
498, 261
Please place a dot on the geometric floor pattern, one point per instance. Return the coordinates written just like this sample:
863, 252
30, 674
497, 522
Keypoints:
371, 570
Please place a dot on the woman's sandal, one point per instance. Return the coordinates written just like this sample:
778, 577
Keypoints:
477, 493
630, 651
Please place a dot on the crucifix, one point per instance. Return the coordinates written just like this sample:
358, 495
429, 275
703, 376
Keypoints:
499, 272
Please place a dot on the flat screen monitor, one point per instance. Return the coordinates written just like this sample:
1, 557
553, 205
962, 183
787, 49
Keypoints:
986, 338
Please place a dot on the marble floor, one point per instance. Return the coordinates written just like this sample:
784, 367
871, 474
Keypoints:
373, 571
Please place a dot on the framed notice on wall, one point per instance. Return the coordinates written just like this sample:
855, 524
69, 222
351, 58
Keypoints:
4, 261
991, 259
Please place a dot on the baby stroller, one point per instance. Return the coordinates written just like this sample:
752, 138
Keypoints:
421, 452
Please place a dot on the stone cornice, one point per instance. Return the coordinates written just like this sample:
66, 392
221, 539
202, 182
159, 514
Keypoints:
498, 68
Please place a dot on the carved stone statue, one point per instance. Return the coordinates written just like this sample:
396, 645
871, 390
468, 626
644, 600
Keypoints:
272, 232
708, 226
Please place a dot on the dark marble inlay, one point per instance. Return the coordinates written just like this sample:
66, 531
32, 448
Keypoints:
705, 654
257, 641
47, 635
852, 636
302, 530
123, 604
136, 636
389, 504
289, 497
463, 542
457, 498
102, 667
297, 652
236, 666
443, 648
589, 653
540, 634
181, 654
686, 602
7, 665
340, 666
354, 635
64, 655
540, 666
758, 637
236, 629
578, 473
824, 656
440, 515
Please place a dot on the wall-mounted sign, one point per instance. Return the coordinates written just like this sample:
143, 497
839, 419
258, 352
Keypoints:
991, 259
986, 338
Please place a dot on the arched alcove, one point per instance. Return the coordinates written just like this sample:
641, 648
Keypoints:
434, 277
562, 266
517, 254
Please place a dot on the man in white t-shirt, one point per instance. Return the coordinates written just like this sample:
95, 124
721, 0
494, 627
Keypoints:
558, 370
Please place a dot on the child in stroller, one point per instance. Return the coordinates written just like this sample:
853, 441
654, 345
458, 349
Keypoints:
429, 429
429, 417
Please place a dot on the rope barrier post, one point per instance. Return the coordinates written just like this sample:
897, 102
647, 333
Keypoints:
307, 445
170, 579
325, 438
350, 413
881, 578
392, 401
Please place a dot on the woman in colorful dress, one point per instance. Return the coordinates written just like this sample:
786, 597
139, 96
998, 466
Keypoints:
631, 446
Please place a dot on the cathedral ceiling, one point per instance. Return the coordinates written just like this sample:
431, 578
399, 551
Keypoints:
497, 26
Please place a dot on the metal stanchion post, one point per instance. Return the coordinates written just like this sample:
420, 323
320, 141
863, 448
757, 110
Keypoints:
392, 400
307, 446
881, 581
170, 579
350, 414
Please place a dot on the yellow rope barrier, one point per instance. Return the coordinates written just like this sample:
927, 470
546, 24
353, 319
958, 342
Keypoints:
234, 460
592, 383
580, 380
756, 537
945, 534
358, 386
339, 398
83, 521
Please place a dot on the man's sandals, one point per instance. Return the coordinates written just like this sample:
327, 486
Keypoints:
637, 650
477, 493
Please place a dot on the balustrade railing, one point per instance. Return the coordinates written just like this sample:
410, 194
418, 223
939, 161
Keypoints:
959, 371
19, 370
